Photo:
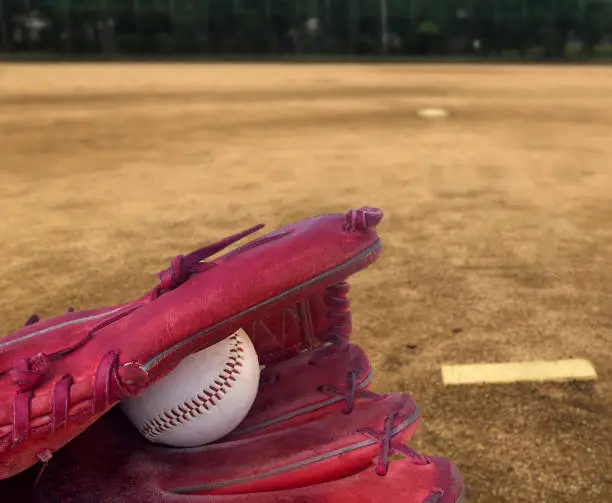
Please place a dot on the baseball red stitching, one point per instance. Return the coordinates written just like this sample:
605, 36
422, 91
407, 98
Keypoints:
202, 402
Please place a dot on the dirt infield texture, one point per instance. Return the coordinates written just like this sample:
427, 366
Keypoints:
497, 235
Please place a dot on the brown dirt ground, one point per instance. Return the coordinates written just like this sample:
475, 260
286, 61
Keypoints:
497, 232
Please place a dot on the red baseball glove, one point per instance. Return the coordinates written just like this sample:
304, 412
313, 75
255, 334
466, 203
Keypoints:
59, 376
315, 434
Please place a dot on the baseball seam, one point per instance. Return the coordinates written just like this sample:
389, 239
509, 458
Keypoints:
204, 401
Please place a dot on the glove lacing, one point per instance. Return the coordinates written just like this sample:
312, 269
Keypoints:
182, 267
336, 298
388, 446
29, 373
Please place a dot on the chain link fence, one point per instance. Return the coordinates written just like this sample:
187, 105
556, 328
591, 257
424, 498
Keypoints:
513, 29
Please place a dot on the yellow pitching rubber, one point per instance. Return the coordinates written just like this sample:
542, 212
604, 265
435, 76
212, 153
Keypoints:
497, 373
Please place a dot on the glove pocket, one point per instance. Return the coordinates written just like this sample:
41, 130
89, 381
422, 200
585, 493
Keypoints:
332, 448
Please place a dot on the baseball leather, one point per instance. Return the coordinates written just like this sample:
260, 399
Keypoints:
59, 376
315, 434
202, 399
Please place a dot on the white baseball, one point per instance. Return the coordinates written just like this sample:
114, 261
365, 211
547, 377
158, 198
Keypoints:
204, 398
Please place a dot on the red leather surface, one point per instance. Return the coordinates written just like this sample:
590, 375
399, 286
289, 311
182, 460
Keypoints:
326, 459
269, 285
284, 401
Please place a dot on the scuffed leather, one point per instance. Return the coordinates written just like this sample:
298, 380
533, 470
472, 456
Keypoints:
325, 457
261, 285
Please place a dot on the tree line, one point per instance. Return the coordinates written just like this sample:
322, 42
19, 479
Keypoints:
513, 28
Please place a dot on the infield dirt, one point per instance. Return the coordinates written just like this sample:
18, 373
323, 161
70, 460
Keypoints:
497, 235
